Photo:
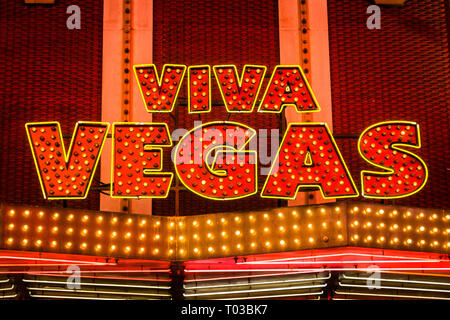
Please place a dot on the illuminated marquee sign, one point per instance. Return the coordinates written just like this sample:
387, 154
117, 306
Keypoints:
213, 160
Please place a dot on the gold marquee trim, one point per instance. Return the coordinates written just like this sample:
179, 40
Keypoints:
341, 224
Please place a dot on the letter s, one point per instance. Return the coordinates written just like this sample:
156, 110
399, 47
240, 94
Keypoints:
406, 172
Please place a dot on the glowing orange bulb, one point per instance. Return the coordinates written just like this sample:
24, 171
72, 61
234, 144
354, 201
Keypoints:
11, 226
55, 216
10, 240
26, 213
11, 212
68, 245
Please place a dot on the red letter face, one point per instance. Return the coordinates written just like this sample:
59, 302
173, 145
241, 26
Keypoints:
239, 94
159, 94
406, 172
211, 161
309, 157
288, 86
66, 176
136, 158
199, 89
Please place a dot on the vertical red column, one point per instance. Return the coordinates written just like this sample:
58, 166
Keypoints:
120, 53
310, 50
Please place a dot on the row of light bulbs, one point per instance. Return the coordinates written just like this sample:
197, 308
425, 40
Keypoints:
25, 243
238, 233
395, 214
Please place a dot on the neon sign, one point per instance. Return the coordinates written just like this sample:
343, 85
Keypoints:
213, 160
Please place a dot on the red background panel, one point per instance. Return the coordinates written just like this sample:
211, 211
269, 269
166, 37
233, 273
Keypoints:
199, 32
48, 73
400, 72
